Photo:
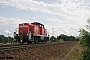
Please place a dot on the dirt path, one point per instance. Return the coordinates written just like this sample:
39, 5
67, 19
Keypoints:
75, 53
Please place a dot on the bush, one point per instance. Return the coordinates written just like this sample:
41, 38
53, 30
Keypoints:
85, 35
86, 54
61, 40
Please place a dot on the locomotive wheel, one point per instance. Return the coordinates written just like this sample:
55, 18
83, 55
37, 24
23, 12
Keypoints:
29, 42
22, 42
44, 41
35, 41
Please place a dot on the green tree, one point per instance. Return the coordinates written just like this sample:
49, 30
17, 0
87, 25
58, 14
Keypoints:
66, 38
53, 39
85, 37
4, 39
1, 38
85, 42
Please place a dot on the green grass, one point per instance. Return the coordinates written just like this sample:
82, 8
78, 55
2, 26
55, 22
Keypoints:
11, 43
76, 53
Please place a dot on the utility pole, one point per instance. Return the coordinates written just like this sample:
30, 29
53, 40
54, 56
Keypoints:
8, 37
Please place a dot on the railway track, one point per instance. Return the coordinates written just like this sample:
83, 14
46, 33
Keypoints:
18, 47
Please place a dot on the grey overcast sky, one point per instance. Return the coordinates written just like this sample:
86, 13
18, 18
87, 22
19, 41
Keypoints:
65, 16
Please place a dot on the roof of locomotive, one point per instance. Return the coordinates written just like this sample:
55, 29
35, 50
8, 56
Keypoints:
25, 23
37, 23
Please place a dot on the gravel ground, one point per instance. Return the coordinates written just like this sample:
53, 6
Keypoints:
53, 52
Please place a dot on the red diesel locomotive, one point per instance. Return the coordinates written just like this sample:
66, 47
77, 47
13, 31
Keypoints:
34, 32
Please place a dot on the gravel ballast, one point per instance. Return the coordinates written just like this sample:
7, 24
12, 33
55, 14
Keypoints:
51, 52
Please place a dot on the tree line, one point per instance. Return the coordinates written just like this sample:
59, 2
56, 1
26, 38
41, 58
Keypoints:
5, 40
64, 38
